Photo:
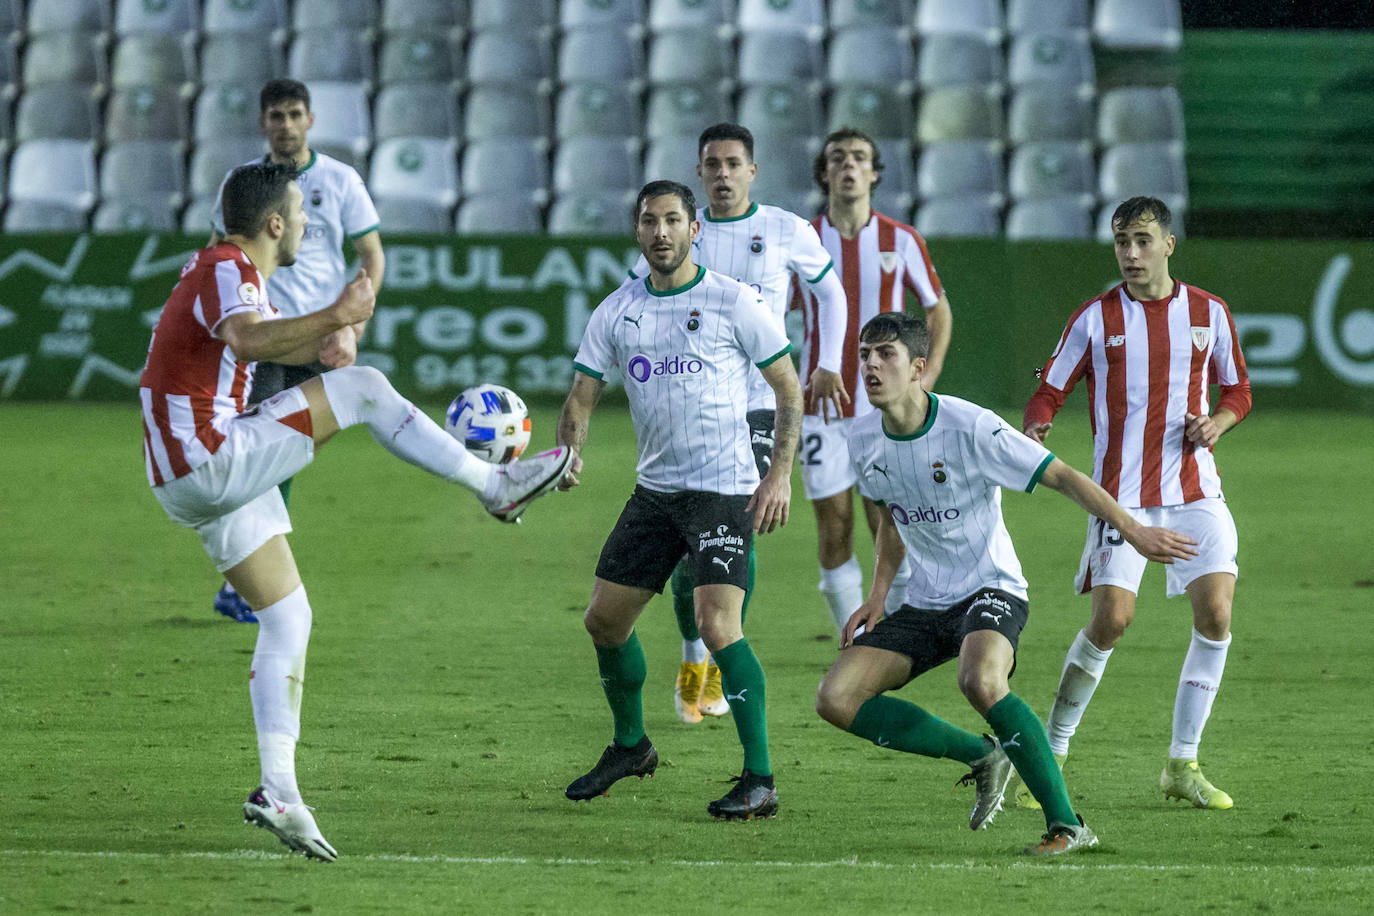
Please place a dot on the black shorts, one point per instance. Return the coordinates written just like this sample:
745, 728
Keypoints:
274, 378
761, 438
931, 638
655, 530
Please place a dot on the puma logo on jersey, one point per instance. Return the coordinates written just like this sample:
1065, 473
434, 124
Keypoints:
1000, 430
879, 468
724, 563
633, 321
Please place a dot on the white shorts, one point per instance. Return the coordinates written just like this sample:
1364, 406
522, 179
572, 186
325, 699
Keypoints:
232, 500
1109, 560
824, 456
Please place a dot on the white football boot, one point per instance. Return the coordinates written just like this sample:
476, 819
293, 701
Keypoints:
293, 824
522, 482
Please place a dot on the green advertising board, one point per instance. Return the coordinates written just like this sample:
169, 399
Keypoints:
76, 312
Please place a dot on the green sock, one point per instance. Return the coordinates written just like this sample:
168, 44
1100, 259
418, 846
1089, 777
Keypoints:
285, 487
749, 586
683, 604
622, 677
902, 726
741, 676
1023, 738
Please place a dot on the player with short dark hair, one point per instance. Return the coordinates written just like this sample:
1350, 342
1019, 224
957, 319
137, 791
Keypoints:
687, 341
937, 466
1151, 348
214, 462
337, 202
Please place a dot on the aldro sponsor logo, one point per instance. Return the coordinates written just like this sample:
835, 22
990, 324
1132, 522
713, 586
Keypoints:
640, 367
905, 516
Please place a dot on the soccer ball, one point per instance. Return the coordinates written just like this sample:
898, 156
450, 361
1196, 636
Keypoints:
491, 421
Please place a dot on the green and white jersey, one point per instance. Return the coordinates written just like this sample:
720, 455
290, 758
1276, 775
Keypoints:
338, 207
763, 248
686, 355
942, 485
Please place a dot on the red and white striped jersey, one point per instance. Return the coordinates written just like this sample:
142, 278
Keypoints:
877, 267
192, 385
1147, 365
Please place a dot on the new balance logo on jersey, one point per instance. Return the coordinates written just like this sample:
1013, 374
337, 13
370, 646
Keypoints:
1116, 340
641, 367
725, 564
633, 321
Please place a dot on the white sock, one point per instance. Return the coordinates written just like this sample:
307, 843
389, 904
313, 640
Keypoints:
896, 596
843, 590
275, 685
361, 394
693, 651
1083, 668
1197, 688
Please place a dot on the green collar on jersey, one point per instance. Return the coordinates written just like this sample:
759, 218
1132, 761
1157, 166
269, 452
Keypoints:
925, 427
753, 208
701, 272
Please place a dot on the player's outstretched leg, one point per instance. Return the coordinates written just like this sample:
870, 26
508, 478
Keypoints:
753, 795
630, 752
362, 395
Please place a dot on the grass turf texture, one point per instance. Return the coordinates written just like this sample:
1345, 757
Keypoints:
452, 694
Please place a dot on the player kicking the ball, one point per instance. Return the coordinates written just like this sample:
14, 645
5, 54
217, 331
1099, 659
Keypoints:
215, 466
937, 466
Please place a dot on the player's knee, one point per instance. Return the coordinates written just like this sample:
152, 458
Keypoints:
834, 704
983, 689
1214, 620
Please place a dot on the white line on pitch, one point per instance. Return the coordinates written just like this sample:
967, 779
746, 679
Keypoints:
253, 855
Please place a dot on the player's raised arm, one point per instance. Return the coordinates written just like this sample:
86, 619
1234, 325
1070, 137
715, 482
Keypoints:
940, 321
1159, 544
575, 418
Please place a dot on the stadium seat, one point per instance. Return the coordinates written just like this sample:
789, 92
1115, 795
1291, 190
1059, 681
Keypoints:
330, 55
56, 111
508, 56
506, 165
9, 69
425, 15
1050, 218
1063, 59
959, 217
47, 16
871, 56
955, 60
1155, 169
155, 58
1047, 16
1105, 233
898, 187
960, 113
342, 116
39, 216
973, 17
804, 17
784, 166
228, 58
133, 214
1139, 114
780, 110
960, 168
146, 113
406, 215
60, 172
685, 110
599, 56
259, 17
506, 111
416, 168
504, 14
12, 21
773, 58
1149, 25
196, 219
168, 17
226, 111
498, 214
358, 15
690, 14
606, 213
673, 157
689, 55
596, 109
64, 57
210, 162
596, 164
600, 14
891, 14
418, 57
145, 169
878, 111
1051, 169
1046, 112
417, 110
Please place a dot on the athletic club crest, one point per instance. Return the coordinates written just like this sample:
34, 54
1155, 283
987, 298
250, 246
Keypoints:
756, 244
693, 320
938, 472
887, 260
1201, 337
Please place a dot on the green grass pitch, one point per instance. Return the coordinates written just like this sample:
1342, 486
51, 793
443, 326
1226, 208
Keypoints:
452, 694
